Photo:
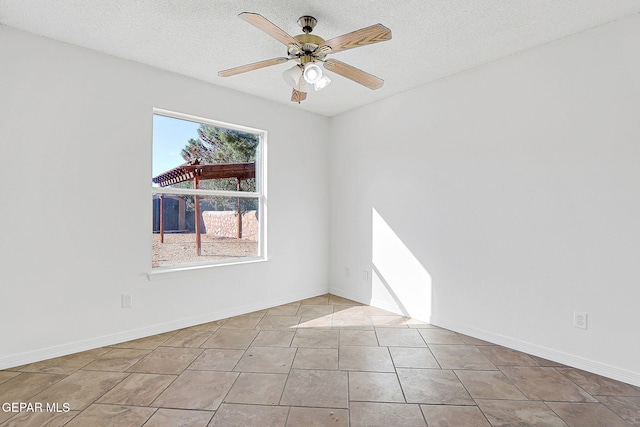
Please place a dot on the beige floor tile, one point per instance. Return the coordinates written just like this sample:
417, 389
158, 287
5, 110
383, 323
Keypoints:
241, 322
433, 386
259, 313
489, 385
509, 413
545, 362
597, 385
316, 358
65, 364
259, 389
15, 368
315, 388
362, 358
362, 322
375, 311
460, 357
586, 414
627, 407
273, 339
357, 337
279, 322
179, 418
80, 389
266, 359
394, 337
112, 416
419, 324
309, 310
26, 385
284, 310
234, 339
351, 317
39, 419
473, 341
137, 389
545, 384
117, 360
209, 326
316, 338
147, 343
197, 390
349, 311
166, 360
316, 322
449, 415
233, 415
317, 362
374, 387
390, 321
6, 375
368, 414
501, 356
439, 336
336, 300
321, 299
4, 416
188, 338
213, 359
317, 417
408, 357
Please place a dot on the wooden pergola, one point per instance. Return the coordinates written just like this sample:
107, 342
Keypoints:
195, 171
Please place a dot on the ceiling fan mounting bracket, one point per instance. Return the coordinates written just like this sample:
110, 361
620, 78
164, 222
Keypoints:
307, 23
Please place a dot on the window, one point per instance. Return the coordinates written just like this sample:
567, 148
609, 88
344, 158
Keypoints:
207, 192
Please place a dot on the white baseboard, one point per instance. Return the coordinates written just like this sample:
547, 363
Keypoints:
11, 361
571, 360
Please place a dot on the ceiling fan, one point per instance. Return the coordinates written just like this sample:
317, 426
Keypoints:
307, 49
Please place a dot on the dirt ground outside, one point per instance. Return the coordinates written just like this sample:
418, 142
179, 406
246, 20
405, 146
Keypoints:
180, 248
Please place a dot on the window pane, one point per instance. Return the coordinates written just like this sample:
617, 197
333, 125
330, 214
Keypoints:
223, 159
224, 235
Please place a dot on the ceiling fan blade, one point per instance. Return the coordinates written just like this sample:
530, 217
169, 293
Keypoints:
251, 67
353, 73
268, 27
365, 36
297, 96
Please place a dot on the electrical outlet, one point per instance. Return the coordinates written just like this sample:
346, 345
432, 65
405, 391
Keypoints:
126, 301
579, 320
365, 275
346, 272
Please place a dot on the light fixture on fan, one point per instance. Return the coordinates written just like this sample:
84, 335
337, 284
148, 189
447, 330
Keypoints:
292, 76
307, 49
299, 79
313, 75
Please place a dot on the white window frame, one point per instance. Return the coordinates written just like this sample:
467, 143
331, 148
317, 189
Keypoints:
260, 194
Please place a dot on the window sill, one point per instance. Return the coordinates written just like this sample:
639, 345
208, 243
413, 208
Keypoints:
162, 273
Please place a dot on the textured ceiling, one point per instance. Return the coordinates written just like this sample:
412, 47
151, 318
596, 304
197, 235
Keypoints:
198, 38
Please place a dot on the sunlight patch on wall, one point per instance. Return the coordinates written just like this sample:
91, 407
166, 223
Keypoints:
399, 281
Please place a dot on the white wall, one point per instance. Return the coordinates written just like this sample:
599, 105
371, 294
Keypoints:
75, 164
503, 199
508, 197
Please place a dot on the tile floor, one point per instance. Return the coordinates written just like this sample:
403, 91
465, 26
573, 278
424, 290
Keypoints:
324, 361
